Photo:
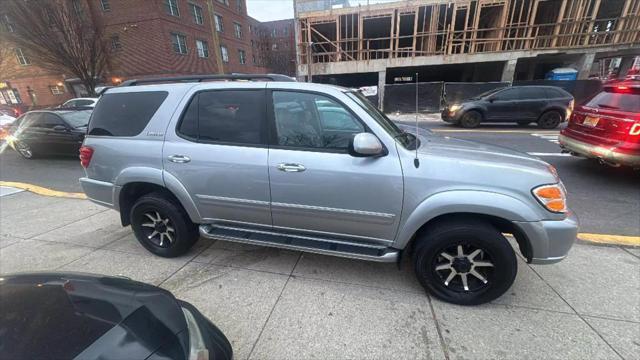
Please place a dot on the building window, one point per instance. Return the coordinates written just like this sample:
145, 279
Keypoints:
196, 11
251, 29
226, 2
224, 53
219, 25
77, 7
172, 7
285, 31
104, 4
22, 59
203, 48
274, 32
238, 30
179, 43
253, 58
115, 43
8, 24
56, 90
242, 56
239, 5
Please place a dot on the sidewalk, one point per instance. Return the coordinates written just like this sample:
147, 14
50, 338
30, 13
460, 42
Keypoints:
277, 304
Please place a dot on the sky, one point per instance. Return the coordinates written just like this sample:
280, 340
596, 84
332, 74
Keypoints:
268, 10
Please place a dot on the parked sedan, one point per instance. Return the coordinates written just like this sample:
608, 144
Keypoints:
547, 106
607, 127
49, 132
79, 103
80, 316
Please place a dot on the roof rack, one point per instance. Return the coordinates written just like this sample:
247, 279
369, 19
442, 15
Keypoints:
200, 78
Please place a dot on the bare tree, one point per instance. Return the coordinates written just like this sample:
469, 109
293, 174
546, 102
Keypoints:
61, 35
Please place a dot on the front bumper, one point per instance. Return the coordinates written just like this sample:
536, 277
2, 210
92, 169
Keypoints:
608, 154
449, 117
550, 240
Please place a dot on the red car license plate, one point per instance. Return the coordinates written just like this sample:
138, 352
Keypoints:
590, 121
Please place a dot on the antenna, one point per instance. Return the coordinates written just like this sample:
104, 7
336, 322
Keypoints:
416, 161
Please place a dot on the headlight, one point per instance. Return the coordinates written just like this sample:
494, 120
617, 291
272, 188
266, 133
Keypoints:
197, 348
454, 108
552, 197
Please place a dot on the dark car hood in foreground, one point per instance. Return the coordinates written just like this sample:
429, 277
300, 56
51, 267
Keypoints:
66, 316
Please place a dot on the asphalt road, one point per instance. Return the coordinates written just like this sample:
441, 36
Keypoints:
606, 199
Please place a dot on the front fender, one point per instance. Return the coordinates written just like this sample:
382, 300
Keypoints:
463, 201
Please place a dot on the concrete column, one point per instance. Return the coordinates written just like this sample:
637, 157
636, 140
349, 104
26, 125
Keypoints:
584, 65
382, 80
625, 66
509, 70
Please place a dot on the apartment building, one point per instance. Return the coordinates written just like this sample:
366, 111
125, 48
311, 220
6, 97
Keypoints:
148, 38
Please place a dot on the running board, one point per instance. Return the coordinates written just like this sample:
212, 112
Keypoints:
299, 243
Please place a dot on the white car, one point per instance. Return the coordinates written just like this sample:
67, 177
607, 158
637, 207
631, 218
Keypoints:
5, 119
80, 102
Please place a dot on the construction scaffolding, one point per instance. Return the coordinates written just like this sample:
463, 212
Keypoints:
435, 27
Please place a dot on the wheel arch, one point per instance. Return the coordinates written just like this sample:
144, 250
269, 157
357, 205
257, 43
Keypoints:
131, 186
499, 210
557, 108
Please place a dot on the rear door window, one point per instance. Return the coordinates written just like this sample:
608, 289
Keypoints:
532, 93
629, 102
125, 114
235, 117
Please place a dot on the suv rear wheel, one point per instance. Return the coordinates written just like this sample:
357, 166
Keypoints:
465, 263
161, 226
550, 120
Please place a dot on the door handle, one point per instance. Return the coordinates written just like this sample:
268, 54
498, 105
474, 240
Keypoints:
291, 167
180, 159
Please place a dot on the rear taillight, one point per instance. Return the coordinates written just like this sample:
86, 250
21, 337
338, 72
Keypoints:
635, 130
86, 152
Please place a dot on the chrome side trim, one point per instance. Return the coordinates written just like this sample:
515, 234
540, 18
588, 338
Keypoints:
390, 255
334, 210
232, 200
249, 226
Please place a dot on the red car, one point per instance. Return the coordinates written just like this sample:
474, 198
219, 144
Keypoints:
607, 127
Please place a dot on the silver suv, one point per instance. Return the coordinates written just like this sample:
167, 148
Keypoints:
318, 168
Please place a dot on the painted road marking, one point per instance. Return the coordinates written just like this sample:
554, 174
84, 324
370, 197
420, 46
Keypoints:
42, 191
551, 132
5, 190
549, 137
548, 154
610, 239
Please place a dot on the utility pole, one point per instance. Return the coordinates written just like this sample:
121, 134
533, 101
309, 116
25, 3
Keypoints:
309, 61
216, 41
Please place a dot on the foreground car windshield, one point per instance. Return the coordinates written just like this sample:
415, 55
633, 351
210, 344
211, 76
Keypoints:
629, 102
77, 118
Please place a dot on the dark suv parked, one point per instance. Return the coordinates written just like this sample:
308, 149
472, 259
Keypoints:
548, 106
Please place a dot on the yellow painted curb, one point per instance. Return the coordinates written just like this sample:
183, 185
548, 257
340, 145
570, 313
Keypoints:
43, 191
610, 239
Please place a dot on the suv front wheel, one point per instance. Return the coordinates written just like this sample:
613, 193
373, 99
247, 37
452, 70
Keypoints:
161, 226
465, 263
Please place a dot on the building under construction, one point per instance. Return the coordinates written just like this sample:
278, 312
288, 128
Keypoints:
464, 40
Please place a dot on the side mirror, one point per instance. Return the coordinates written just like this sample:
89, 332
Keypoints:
60, 128
365, 144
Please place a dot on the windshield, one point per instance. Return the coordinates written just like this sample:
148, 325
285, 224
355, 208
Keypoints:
629, 102
77, 118
487, 93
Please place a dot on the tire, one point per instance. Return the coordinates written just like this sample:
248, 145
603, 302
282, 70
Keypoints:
549, 120
470, 119
446, 239
23, 149
523, 123
175, 233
